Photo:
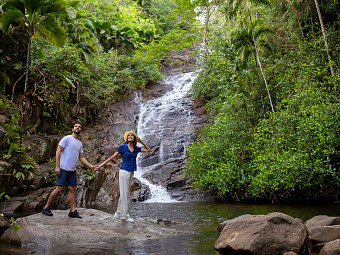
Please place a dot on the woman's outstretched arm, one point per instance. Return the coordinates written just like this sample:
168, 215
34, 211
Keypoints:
108, 160
147, 148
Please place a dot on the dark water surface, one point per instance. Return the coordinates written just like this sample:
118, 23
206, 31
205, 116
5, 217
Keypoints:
201, 219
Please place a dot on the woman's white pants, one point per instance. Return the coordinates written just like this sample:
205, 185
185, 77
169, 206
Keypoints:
125, 182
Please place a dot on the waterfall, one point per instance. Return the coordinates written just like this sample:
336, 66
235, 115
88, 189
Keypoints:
164, 124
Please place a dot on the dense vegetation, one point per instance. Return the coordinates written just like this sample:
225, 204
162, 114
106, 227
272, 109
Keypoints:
269, 75
61, 60
272, 90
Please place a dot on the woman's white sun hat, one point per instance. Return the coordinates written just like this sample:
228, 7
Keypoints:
129, 132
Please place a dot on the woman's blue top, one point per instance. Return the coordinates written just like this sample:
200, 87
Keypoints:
129, 158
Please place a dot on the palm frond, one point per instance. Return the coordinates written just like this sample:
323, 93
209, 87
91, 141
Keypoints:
17, 4
33, 6
270, 46
9, 17
263, 30
55, 8
57, 33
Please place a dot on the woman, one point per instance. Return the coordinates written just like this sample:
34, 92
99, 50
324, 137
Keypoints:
129, 153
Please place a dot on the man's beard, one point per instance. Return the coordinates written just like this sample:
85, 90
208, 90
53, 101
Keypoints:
76, 132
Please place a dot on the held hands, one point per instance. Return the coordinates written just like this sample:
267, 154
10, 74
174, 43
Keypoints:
57, 170
95, 168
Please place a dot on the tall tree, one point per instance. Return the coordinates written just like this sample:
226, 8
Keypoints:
243, 41
231, 9
205, 9
37, 16
325, 38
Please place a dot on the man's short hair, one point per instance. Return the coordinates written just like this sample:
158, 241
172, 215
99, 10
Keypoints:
77, 122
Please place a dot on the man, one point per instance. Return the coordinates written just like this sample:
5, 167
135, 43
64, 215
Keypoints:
69, 151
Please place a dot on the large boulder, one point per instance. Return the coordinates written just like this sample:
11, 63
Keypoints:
4, 224
323, 229
95, 228
331, 248
4, 167
42, 147
270, 234
3, 136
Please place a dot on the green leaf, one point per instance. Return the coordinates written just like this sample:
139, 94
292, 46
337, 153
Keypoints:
68, 81
89, 24
20, 175
72, 13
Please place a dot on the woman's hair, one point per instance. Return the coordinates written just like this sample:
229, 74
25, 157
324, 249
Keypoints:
134, 141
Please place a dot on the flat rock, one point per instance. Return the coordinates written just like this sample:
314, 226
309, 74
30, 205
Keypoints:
96, 227
12, 206
322, 220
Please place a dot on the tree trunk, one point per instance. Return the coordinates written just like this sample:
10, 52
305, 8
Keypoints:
4, 90
5, 71
28, 58
259, 62
14, 85
325, 39
78, 97
205, 32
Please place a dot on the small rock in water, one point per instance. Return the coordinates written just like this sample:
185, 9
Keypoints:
167, 222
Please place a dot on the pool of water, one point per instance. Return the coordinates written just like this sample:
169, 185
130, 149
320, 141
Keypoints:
201, 219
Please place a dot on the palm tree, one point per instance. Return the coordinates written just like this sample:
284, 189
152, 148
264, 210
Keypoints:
244, 39
231, 8
37, 16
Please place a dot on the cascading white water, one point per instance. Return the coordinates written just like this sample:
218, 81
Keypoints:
161, 118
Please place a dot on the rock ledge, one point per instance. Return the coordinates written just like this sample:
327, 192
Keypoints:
96, 227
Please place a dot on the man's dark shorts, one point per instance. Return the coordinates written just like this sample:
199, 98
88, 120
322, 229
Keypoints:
67, 178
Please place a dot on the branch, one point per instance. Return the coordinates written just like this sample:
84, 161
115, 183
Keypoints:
15, 85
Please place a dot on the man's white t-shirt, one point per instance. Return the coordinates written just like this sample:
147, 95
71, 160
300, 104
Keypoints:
70, 156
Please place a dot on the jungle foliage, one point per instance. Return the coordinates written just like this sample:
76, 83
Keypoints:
61, 60
274, 130
269, 72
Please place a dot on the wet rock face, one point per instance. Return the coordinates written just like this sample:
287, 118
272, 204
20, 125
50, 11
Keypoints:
169, 123
167, 132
